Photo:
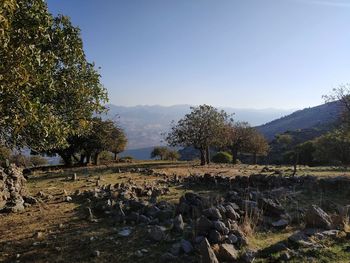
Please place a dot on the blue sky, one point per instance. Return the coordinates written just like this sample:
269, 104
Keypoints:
237, 53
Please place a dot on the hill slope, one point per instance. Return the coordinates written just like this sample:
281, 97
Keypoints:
317, 117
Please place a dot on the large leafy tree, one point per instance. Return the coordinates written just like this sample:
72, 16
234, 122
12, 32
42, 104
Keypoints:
257, 145
48, 90
118, 141
202, 128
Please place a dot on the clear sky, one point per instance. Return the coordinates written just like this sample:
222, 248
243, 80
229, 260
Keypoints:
237, 53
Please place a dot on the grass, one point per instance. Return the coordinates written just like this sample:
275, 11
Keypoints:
69, 237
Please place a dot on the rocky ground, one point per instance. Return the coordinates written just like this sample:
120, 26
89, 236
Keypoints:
168, 212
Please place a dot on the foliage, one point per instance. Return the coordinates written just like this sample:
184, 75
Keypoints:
173, 155
333, 147
202, 128
48, 90
160, 152
20, 160
306, 152
38, 160
106, 156
5, 154
222, 157
257, 144
341, 94
118, 141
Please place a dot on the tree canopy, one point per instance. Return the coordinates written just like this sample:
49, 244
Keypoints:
48, 90
202, 128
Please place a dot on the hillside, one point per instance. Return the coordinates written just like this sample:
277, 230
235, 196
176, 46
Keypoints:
316, 117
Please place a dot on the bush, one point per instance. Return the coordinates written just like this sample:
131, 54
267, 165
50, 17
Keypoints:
106, 156
222, 157
20, 160
38, 160
5, 154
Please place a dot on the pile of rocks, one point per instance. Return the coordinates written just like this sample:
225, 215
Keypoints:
13, 194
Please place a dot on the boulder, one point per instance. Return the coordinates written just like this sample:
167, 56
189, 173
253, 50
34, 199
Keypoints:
203, 225
157, 233
227, 253
207, 253
316, 217
179, 225
212, 213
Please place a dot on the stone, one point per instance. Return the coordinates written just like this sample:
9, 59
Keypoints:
232, 238
231, 213
186, 246
139, 254
125, 232
68, 199
96, 253
280, 224
179, 225
316, 217
175, 249
207, 253
220, 226
248, 256
157, 233
212, 213
214, 236
168, 258
275, 248
270, 207
203, 225
227, 253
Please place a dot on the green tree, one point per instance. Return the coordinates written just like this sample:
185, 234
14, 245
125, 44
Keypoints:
202, 128
37, 160
161, 152
222, 157
48, 90
333, 147
237, 136
118, 141
257, 145
172, 155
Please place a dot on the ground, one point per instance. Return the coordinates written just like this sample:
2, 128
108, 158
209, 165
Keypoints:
57, 231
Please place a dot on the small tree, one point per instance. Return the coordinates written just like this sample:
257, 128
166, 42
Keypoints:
172, 155
202, 128
118, 141
161, 152
38, 160
257, 145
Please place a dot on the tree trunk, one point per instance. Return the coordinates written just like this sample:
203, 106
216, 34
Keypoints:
67, 159
296, 161
115, 156
88, 158
82, 159
96, 158
207, 154
234, 156
203, 161
255, 157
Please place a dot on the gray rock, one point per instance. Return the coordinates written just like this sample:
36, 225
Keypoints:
157, 233
125, 232
231, 213
207, 253
316, 217
232, 238
203, 225
179, 223
214, 236
175, 249
186, 246
280, 224
212, 213
227, 253
220, 226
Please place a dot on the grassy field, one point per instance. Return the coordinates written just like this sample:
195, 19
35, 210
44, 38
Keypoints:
57, 231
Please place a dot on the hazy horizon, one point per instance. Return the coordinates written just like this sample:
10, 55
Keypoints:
244, 54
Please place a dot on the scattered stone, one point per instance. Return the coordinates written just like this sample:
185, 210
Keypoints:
186, 246
227, 252
157, 233
96, 253
207, 253
280, 224
316, 217
212, 213
68, 199
125, 232
179, 223
139, 254
203, 225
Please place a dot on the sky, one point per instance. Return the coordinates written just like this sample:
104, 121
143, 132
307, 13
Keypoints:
282, 54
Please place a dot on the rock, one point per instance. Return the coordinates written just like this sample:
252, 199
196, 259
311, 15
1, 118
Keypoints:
179, 223
203, 225
125, 232
30, 200
186, 246
275, 248
270, 207
212, 213
233, 238
206, 252
285, 256
228, 253
214, 236
248, 256
157, 233
139, 254
316, 217
231, 213
175, 249
68, 199
168, 258
220, 226
96, 253
280, 224
74, 177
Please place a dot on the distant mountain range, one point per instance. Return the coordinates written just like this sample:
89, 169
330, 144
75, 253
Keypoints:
144, 125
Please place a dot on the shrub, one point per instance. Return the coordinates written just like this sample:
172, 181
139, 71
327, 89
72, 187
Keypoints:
38, 160
106, 156
222, 157
20, 160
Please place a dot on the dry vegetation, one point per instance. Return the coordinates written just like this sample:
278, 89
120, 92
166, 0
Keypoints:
56, 230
